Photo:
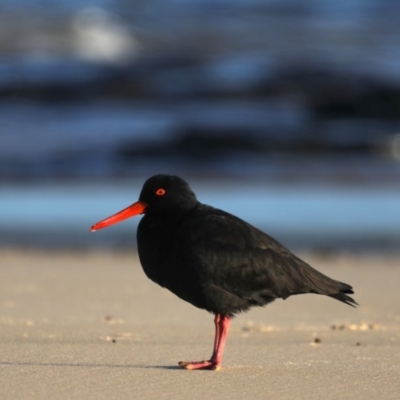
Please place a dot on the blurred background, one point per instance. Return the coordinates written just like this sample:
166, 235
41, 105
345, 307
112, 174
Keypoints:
284, 112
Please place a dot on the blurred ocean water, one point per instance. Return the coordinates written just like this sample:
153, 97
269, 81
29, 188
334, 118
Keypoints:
285, 113
257, 88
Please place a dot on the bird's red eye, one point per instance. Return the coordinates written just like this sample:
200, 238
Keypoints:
160, 192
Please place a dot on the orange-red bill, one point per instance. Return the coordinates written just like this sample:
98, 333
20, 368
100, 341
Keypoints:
134, 209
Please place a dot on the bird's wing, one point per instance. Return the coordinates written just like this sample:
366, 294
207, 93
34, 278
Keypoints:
244, 261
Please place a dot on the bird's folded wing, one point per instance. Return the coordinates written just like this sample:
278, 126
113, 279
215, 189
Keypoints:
247, 262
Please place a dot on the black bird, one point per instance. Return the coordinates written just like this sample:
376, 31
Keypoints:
214, 260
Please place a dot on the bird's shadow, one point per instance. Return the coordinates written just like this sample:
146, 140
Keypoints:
88, 365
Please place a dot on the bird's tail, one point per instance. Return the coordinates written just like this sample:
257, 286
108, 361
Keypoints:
322, 284
344, 290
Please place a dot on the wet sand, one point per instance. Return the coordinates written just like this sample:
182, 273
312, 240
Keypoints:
90, 325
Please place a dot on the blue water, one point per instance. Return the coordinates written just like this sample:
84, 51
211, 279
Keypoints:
310, 216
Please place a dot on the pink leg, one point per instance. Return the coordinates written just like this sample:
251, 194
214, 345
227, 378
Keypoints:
222, 323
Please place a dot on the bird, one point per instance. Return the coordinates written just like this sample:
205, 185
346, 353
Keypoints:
215, 260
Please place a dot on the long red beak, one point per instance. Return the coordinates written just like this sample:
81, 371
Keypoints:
134, 209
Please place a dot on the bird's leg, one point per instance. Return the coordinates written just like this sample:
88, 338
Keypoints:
222, 323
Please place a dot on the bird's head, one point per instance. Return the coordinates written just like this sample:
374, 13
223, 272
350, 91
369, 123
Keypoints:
161, 194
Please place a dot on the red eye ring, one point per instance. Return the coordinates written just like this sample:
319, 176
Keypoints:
160, 192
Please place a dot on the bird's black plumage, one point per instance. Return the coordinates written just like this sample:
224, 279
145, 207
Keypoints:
215, 260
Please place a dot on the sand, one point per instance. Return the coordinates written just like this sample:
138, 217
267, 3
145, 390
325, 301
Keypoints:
90, 325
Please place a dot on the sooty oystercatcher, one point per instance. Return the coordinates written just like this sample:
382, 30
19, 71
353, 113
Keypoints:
214, 260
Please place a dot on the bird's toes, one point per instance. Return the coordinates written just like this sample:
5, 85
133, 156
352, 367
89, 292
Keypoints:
205, 364
183, 364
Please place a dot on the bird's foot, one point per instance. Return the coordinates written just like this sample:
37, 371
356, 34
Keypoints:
205, 364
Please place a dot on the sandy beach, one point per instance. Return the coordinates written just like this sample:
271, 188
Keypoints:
90, 325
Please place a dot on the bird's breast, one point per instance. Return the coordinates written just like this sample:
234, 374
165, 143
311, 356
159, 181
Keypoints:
156, 240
